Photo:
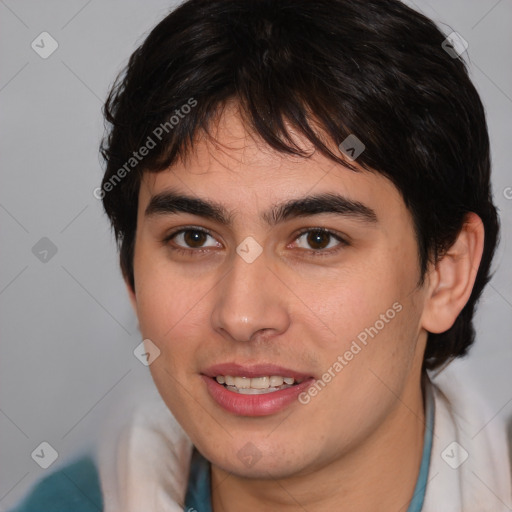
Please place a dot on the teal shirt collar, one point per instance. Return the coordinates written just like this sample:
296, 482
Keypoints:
421, 484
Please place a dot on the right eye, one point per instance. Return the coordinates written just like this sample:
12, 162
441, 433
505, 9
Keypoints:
188, 240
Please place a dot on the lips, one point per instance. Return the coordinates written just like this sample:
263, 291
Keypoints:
232, 400
253, 371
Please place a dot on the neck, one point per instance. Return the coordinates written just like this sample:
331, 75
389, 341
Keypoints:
379, 474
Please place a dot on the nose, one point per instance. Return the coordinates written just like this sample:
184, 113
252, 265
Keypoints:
250, 300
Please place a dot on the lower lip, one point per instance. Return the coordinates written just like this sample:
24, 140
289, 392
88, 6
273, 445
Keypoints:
254, 405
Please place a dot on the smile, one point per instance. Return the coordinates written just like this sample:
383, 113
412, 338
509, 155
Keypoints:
255, 385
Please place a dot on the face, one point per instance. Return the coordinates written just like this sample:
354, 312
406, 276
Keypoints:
324, 293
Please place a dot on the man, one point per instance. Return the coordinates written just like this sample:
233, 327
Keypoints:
300, 192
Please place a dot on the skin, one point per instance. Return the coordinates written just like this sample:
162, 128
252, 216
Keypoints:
363, 433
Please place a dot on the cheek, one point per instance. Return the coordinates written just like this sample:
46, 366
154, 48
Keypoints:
354, 300
165, 295
373, 316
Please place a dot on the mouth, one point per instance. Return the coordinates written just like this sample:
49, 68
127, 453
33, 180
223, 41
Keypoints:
256, 385
259, 390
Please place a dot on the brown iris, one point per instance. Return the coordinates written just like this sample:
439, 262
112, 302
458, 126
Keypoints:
192, 237
315, 238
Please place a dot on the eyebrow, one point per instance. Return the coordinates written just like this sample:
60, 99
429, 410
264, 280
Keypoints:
172, 203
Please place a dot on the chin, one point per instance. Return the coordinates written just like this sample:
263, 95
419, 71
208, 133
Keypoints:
270, 462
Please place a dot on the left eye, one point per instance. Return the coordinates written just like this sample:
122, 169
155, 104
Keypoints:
318, 239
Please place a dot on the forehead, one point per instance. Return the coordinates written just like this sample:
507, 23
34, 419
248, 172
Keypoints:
235, 167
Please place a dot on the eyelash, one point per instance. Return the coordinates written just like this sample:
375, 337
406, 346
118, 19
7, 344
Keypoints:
316, 253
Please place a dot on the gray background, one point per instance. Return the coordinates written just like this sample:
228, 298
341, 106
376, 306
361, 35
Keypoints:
67, 329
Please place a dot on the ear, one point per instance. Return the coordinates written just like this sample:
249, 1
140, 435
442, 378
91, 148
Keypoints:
451, 280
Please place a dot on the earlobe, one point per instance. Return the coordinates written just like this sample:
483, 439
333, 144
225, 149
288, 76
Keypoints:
451, 280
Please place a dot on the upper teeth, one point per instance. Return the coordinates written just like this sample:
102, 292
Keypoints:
255, 382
